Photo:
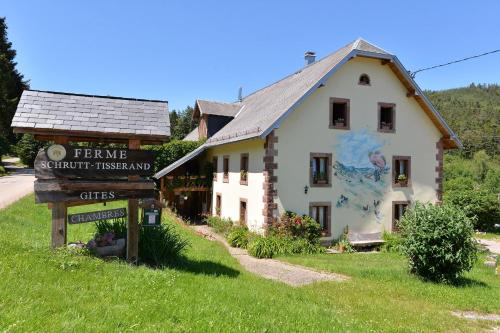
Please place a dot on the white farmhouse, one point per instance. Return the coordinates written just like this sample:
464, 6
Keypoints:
350, 140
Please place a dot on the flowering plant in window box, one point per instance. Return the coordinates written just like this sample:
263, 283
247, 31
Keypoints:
320, 178
385, 126
402, 180
339, 122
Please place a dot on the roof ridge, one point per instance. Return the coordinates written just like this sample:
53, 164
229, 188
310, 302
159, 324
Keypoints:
211, 101
298, 71
98, 96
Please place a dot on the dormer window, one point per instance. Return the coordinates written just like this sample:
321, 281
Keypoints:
364, 80
386, 117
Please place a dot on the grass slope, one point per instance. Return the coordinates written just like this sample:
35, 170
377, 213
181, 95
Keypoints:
45, 291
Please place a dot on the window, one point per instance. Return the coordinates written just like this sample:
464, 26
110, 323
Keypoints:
218, 204
243, 212
401, 171
225, 176
320, 170
339, 113
244, 169
386, 117
398, 210
215, 166
364, 80
321, 213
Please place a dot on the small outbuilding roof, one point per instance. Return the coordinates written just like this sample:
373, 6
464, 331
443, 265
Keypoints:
194, 135
46, 113
216, 108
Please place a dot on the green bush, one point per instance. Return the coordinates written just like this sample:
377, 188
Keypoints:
239, 237
117, 226
392, 242
168, 153
262, 247
293, 225
27, 148
159, 246
268, 247
479, 204
438, 241
220, 225
343, 244
2, 170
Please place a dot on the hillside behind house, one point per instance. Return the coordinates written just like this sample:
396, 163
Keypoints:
473, 112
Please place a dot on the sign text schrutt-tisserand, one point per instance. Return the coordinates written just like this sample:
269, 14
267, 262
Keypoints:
70, 161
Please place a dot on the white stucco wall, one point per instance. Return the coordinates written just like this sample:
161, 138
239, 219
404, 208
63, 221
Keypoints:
232, 191
307, 130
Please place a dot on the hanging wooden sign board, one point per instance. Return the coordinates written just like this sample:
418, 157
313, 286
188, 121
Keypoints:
97, 216
64, 161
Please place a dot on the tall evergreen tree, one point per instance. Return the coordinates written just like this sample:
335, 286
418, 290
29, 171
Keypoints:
12, 84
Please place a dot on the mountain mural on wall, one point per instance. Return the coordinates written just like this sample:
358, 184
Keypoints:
362, 169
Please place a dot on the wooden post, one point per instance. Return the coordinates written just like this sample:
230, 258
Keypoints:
59, 224
133, 216
59, 212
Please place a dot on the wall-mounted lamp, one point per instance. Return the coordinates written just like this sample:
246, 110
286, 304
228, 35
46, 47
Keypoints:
306, 189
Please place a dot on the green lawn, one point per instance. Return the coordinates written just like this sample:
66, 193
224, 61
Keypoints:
490, 235
54, 292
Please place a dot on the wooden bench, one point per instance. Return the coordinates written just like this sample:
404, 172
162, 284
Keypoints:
362, 240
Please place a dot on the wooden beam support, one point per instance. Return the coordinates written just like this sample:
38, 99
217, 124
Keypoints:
133, 216
410, 93
385, 61
59, 224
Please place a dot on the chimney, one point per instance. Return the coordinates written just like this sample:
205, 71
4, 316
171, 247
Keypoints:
240, 94
310, 57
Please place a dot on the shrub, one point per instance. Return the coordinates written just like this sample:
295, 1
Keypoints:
479, 204
343, 245
238, 237
2, 170
27, 148
160, 245
168, 153
116, 226
392, 242
262, 247
438, 241
220, 225
268, 247
293, 225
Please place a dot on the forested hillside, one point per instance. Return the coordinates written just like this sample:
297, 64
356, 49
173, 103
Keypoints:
473, 113
472, 175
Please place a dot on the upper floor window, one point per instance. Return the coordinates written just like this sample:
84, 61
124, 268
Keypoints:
225, 165
244, 169
387, 117
320, 170
364, 80
401, 171
339, 113
321, 213
215, 166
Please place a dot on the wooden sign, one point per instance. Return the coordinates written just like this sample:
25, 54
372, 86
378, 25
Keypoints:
63, 161
97, 216
92, 191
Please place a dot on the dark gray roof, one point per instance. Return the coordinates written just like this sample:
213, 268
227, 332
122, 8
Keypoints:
55, 111
218, 108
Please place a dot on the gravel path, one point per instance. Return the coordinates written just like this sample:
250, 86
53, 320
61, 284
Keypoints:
17, 184
293, 275
491, 245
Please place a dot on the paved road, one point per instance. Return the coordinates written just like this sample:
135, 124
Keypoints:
16, 185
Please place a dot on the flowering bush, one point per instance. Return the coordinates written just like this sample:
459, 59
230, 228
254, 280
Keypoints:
293, 225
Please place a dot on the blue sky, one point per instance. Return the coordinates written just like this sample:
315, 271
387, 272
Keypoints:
183, 50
